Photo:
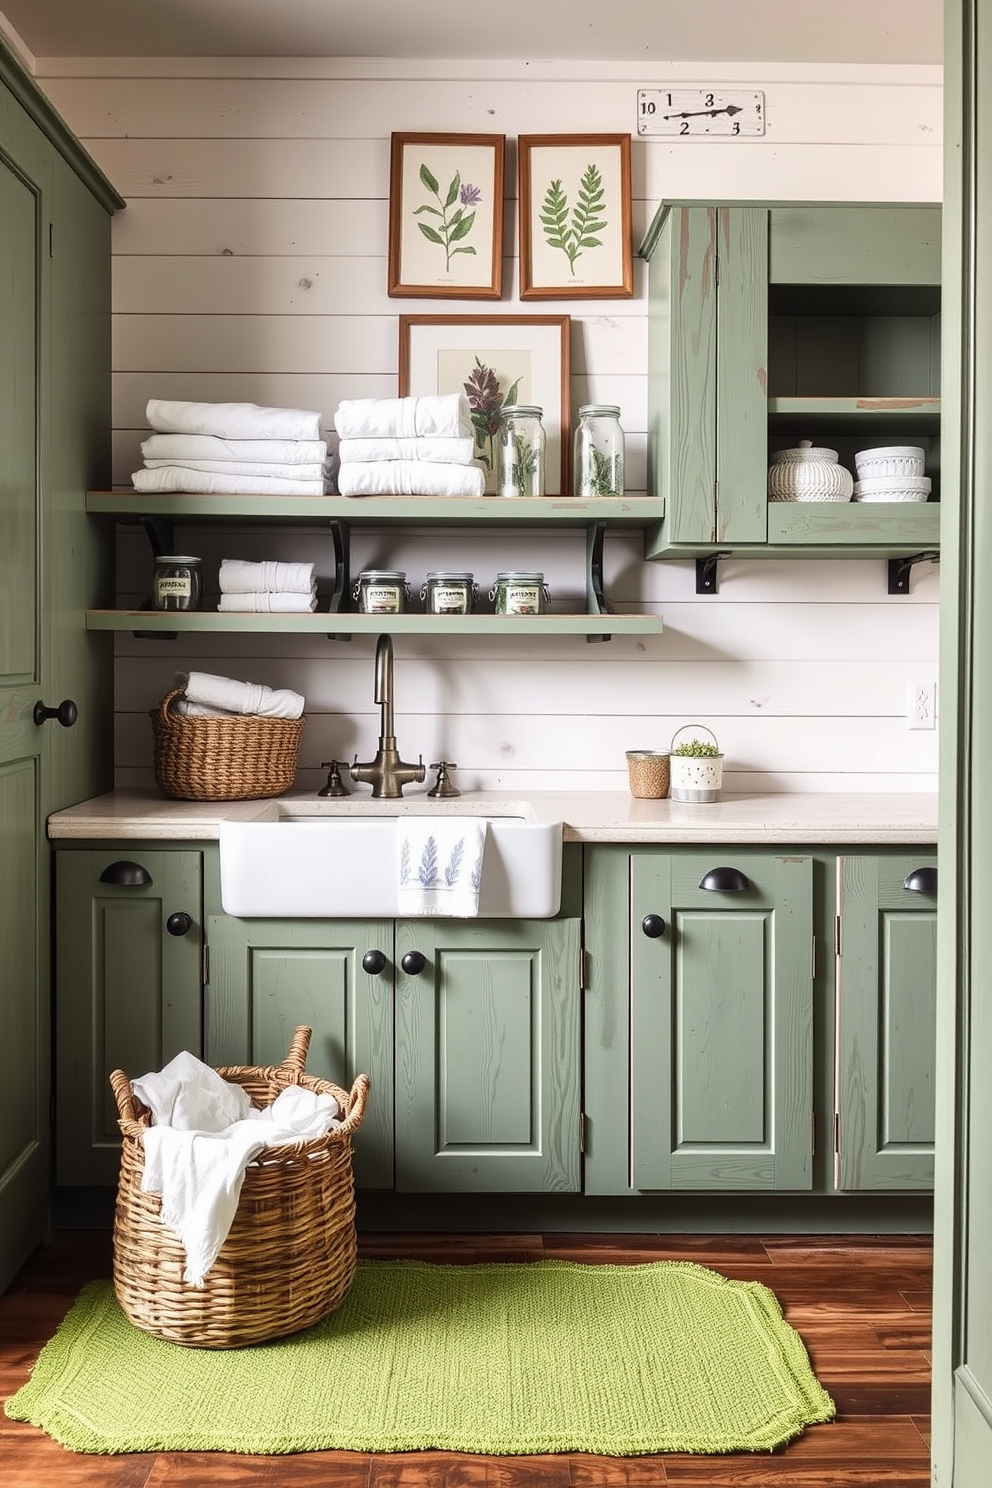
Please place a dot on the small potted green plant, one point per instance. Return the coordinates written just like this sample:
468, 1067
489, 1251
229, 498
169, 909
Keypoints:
696, 766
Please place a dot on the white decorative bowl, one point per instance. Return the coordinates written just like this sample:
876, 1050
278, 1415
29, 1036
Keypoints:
809, 473
893, 488
887, 460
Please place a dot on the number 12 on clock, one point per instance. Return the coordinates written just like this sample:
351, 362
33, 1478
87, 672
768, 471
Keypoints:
692, 112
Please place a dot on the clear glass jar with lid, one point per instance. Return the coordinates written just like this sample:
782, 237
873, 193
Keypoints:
598, 451
176, 582
381, 591
448, 593
521, 451
516, 592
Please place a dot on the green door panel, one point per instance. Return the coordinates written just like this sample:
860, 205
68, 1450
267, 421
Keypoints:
878, 245
487, 1056
742, 375
886, 1021
128, 993
268, 977
721, 1024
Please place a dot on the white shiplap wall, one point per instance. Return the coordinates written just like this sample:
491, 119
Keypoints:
250, 263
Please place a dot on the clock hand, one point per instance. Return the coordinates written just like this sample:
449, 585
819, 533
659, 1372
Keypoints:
731, 109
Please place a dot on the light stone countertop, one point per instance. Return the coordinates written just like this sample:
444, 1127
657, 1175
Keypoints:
587, 816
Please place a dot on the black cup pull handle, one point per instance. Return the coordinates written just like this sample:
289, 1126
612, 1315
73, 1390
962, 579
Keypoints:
414, 962
922, 880
725, 881
374, 962
179, 923
653, 926
66, 712
126, 875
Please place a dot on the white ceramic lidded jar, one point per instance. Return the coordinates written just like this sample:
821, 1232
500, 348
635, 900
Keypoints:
808, 473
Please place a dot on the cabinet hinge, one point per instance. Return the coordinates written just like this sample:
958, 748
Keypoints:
836, 1134
206, 964
812, 959
51, 240
837, 936
583, 983
582, 1132
812, 1133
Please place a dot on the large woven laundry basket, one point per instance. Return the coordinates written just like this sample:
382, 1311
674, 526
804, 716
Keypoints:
289, 1257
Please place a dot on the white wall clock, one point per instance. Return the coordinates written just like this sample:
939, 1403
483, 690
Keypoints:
691, 112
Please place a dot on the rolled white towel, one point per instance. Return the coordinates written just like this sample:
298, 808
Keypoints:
411, 478
315, 470
181, 448
441, 415
267, 603
440, 451
231, 420
241, 697
237, 576
201, 482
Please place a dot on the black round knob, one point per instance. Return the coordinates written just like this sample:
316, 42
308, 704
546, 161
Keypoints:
66, 713
653, 926
414, 962
373, 962
179, 923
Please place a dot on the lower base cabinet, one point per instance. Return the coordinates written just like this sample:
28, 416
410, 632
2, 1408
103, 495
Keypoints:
469, 1032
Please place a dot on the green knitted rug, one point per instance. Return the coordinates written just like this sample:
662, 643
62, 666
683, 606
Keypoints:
548, 1356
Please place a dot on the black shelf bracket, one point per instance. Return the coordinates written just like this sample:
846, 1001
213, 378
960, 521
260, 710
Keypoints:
341, 594
596, 601
706, 572
159, 531
900, 570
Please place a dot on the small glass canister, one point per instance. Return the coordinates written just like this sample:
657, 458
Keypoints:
598, 451
448, 594
176, 582
521, 451
381, 591
519, 594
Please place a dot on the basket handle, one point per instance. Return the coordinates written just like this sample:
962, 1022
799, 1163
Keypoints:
130, 1111
356, 1104
295, 1062
163, 706
694, 726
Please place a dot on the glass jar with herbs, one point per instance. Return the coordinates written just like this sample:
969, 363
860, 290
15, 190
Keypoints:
521, 451
598, 451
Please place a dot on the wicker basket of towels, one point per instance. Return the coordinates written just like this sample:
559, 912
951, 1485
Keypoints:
289, 1257
223, 759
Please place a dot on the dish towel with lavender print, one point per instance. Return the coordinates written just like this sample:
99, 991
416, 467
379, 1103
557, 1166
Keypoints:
440, 865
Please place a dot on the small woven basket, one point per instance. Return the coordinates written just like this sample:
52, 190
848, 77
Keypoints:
290, 1254
223, 759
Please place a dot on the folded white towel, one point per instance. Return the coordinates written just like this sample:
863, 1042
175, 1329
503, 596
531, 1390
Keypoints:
201, 482
199, 1171
442, 415
315, 470
411, 478
440, 865
237, 576
231, 420
268, 602
443, 451
180, 448
241, 697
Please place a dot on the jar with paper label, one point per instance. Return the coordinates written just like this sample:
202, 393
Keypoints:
446, 593
598, 451
521, 452
176, 582
519, 593
381, 591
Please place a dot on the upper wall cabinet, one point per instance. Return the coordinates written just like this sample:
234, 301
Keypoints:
770, 325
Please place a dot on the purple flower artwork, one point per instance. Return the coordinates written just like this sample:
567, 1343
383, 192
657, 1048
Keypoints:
450, 226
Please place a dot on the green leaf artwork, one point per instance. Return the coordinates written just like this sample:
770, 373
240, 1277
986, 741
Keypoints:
451, 226
486, 401
572, 234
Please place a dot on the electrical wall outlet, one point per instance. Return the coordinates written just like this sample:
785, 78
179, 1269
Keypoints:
921, 705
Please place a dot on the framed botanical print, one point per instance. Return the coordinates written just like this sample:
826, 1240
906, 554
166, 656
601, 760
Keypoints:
446, 216
575, 225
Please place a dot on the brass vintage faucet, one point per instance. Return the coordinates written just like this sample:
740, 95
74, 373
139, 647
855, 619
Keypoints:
387, 773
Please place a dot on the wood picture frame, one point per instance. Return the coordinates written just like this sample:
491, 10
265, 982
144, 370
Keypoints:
446, 216
575, 216
493, 360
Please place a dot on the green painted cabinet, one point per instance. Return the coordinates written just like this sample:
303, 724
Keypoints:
699, 1020
771, 324
886, 1020
469, 1032
128, 988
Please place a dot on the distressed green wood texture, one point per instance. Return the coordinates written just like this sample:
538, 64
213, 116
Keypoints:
886, 1019
210, 622
488, 1057
721, 1024
606, 1009
742, 375
267, 977
128, 994
422, 511
855, 244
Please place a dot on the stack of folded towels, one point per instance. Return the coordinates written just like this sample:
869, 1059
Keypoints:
408, 447
273, 588
233, 448
209, 696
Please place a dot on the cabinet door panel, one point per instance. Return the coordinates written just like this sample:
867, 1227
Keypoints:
721, 1025
742, 375
487, 1057
886, 1016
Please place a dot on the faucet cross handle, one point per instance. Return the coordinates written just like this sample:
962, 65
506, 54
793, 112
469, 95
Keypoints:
442, 785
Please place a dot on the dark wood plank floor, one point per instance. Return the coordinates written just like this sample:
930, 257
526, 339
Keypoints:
862, 1306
